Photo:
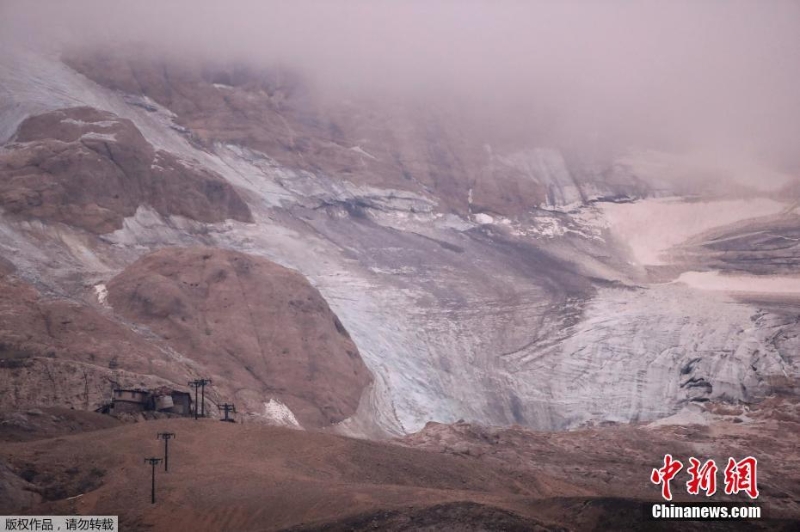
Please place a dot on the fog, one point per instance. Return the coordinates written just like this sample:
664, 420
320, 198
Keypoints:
718, 77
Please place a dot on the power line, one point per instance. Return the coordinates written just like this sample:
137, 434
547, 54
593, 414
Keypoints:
195, 385
166, 436
153, 462
228, 408
201, 384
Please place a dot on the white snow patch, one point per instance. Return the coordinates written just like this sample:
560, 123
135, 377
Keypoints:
546, 226
362, 151
586, 222
102, 123
222, 86
108, 137
483, 218
101, 291
591, 222
279, 413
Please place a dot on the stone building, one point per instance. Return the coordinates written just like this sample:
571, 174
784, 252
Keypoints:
135, 400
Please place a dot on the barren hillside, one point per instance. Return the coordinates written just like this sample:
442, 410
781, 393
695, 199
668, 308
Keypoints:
253, 477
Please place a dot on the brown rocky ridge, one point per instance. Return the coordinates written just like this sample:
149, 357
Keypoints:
260, 331
261, 327
91, 169
56, 352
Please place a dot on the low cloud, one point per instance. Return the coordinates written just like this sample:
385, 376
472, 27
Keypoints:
718, 76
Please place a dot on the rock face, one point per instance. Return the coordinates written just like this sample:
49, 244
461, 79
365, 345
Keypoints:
428, 148
258, 325
55, 352
91, 169
267, 338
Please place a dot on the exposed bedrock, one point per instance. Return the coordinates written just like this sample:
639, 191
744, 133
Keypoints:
261, 327
430, 148
55, 352
266, 338
91, 169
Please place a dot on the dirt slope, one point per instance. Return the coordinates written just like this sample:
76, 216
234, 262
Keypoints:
37, 424
248, 477
251, 477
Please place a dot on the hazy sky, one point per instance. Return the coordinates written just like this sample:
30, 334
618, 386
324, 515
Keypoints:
711, 74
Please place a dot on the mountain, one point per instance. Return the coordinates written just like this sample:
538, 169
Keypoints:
453, 325
368, 264
259, 326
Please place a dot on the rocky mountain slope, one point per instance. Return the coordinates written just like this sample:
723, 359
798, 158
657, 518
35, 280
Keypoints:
480, 278
59, 352
429, 148
259, 326
264, 336
89, 169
